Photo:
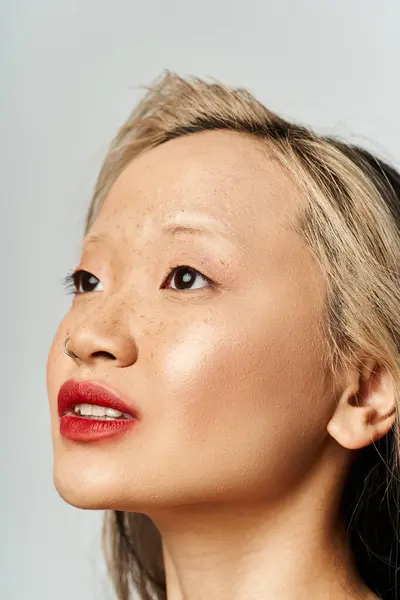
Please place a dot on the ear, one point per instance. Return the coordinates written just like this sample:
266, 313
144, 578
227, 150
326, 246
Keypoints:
366, 409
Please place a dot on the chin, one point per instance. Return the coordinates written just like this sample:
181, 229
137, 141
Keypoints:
88, 484
93, 487
81, 491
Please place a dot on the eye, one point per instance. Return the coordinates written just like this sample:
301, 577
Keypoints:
86, 280
184, 277
81, 281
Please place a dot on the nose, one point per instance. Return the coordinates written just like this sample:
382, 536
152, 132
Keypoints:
102, 339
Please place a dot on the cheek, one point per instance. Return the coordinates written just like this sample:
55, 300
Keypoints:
238, 387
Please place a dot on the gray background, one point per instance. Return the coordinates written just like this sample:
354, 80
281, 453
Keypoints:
68, 73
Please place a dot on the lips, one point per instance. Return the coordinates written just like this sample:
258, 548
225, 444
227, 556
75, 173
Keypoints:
80, 428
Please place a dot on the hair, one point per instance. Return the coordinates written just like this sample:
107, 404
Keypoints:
352, 226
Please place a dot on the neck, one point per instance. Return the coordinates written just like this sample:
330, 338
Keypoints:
294, 548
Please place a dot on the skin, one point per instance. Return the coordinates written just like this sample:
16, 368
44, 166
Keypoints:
245, 437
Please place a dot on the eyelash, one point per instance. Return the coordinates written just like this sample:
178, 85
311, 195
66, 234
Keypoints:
72, 280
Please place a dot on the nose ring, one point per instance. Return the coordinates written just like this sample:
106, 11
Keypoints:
71, 355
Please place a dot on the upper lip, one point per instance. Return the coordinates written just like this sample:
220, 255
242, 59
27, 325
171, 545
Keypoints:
75, 391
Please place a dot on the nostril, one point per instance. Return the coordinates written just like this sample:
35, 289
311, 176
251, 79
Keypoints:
103, 353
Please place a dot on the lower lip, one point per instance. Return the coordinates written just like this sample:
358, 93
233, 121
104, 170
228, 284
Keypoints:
90, 430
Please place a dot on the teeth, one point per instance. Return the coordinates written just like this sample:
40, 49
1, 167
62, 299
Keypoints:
93, 410
111, 412
99, 411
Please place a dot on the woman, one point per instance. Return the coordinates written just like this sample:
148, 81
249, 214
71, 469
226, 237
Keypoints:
230, 378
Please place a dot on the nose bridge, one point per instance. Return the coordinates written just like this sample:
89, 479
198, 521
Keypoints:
109, 313
105, 329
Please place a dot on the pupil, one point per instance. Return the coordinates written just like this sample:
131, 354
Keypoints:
186, 278
88, 279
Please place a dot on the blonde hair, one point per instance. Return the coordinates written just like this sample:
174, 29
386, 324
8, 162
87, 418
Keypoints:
352, 226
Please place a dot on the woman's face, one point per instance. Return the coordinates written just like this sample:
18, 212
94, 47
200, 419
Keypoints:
229, 378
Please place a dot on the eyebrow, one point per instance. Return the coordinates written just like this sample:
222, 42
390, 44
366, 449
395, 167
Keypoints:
199, 224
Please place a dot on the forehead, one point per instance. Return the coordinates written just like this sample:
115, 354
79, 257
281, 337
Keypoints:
217, 177
226, 175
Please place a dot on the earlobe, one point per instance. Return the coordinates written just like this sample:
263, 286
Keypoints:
366, 409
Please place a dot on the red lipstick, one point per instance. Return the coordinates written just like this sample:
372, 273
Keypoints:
79, 427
